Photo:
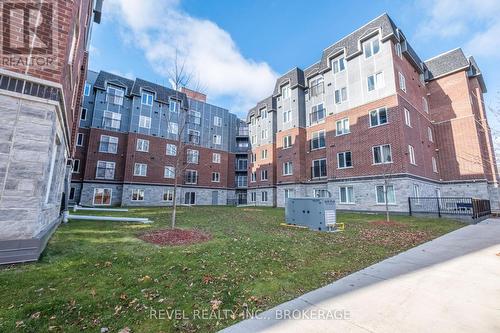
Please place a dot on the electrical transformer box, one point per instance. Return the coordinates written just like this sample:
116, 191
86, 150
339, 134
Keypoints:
314, 213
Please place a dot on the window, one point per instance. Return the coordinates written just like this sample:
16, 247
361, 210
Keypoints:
382, 191
72, 192
253, 196
264, 134
87, 89
83, 115
285, 91
137, 195
398, 50
171, 149
287, 116
371, 47
402, 82
217, 139
168, 195
321, 193
191, 177
194, 117
173, 128
111, 120
318, 168
346, 194
217, 121
287, 141
215, 157
105, 170
108, 144
289, 193
340, 95
215, 177
263, 154
193, 137
318, 140
425, 104
241, 164
382, 154
252, 120
253, 177
434, 165
316, 86
115, 95
189, 198
79, 139
287, 168
193, 156
344, 160
375, 81
144, 122
416, 191
169, 172
411, 153
342, 127
263, 175
147, 98
317, 113
263, 113
76, 166
338, 64
253, 139
378, 117
102, 196
407, 117
140, 169
263, 196
173, 105
142, 145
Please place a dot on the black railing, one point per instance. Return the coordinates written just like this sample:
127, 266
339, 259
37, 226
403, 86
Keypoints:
440, 206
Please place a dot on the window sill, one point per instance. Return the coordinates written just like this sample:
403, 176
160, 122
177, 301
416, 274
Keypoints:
379, 125
384, 163
314, 149
383, 204
346, 203
343, 168
337, 135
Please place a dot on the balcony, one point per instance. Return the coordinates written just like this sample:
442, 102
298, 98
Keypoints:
241, 182
242, 131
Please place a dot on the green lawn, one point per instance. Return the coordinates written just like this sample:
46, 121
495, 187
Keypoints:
98, 274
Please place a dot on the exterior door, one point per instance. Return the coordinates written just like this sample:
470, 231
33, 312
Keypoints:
215, 198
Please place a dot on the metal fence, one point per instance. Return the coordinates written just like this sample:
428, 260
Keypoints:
474, 208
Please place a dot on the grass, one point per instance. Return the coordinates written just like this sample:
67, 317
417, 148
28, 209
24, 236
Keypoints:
99, 274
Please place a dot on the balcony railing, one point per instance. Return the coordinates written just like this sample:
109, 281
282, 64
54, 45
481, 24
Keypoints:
317, 89
242, 131
241, 182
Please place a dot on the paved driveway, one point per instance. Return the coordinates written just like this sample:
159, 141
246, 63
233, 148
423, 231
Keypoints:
450, 284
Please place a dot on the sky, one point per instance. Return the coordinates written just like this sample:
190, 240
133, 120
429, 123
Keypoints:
235, 50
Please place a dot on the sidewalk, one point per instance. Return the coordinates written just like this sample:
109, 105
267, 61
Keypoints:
450, 284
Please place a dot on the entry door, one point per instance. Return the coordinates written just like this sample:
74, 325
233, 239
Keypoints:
215, 198
189, 198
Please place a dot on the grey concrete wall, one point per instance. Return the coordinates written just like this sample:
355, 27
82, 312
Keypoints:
29, 198
271, 196
87, 193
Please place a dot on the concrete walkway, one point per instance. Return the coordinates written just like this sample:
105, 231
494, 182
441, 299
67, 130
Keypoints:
450, 284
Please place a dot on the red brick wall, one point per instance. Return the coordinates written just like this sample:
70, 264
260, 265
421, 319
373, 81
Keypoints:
295, 154
259, 165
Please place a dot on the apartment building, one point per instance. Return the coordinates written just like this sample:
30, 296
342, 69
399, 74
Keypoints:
44, 53
135, 138
370, 112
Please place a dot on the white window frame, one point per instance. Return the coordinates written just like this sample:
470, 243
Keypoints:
173, 128
115, 117
349, 195
142, 145
402, 81
253, 196
80, 137
82, 113
378, 81
76, 162
263, 196
138, 193
263, 113
382, 156
216, 158
217, 121
407, 117
215, 177
371, 47
287, 142
192, 172
110, 144
342, 127
430, 134
139, 168
262, 173
434, 165
169, 194
253, 177
398, 49
344, 154
87, 89
171, 149
378, 117
217, 139
192, 156
106, 163
263, 154
287, 168
194, 134
147, 98
174, 105
425, 104
338, 64
263, 134
340, 95
316, 137
411, 154
383, 194
169, 172
319, 160
287, 116
117, 97
103, 190
286, 91
145, 122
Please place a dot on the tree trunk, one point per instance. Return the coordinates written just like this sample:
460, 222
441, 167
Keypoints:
386, 201
174, 206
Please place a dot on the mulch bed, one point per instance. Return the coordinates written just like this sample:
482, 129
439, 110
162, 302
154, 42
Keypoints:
175, 236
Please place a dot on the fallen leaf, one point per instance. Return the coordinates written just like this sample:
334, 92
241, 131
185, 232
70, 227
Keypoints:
215, 304
35, 315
